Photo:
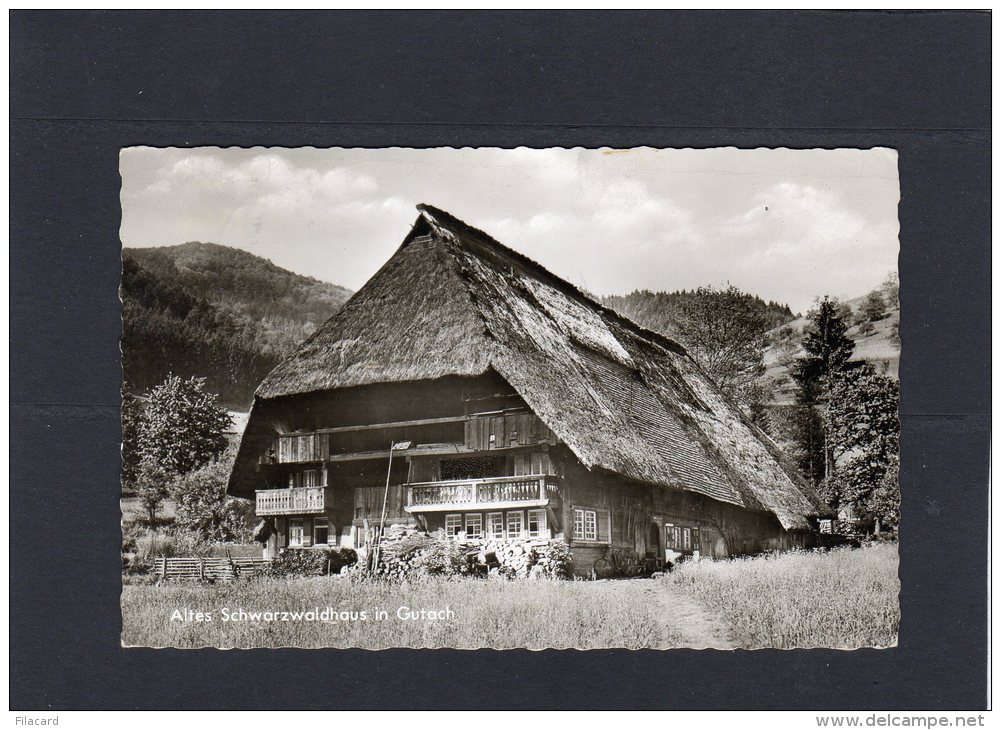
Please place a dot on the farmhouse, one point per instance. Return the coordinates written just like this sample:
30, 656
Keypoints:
519, 408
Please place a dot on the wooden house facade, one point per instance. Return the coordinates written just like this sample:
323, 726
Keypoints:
520, 408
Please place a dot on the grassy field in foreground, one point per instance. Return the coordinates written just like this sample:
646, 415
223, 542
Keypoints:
843, 598
487, 613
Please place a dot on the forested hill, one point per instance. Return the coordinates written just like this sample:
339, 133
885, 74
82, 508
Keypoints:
660, 311
215, 312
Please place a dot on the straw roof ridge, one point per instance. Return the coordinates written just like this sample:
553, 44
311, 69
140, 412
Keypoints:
444, 221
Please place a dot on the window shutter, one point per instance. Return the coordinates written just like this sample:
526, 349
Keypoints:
604, 533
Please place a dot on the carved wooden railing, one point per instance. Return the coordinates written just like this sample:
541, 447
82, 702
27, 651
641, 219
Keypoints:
473, 492
300, 500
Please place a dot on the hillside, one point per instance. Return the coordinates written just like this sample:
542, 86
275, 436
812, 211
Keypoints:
217, 312
659, 311
878, 347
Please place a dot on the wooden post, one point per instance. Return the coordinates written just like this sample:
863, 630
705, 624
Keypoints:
201, 568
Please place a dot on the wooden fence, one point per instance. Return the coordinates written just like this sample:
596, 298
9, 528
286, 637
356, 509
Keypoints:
211, 569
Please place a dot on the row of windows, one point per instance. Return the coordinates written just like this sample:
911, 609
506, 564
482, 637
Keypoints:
498, 525
297, 535
682, 538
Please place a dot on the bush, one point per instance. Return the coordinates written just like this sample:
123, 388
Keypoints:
554, 560
303, 562
204, 506
866, 328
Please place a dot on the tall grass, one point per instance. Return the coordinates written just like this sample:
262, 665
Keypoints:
487, 613
841, 599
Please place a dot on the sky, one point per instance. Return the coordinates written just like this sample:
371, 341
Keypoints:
786, 225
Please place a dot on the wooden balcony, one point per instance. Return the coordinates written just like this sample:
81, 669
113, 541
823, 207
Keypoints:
476, 494
297, 501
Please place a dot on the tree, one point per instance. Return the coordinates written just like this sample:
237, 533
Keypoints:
827, 346
798, 430
864, 435
151, 483
724, 331
132, 409
884, 504
181, 427
874, 306
891, 290
204, 506
828, 349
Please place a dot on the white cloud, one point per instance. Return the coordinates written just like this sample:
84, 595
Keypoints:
786, 225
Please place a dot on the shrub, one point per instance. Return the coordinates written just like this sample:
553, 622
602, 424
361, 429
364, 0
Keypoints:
866, 328
151, 485
204, 506
303, 562
553, 561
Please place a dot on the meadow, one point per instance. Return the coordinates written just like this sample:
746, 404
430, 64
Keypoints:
484, 613
842, 598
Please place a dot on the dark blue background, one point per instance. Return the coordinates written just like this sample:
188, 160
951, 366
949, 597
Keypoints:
86, 84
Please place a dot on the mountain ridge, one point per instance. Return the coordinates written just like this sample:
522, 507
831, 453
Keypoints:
217, 312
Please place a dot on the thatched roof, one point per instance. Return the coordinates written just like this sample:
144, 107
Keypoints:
453, 301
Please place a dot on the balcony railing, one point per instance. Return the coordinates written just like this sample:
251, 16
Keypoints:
297, 501
480, 493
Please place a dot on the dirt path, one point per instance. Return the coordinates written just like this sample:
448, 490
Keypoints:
685, 623
682, 621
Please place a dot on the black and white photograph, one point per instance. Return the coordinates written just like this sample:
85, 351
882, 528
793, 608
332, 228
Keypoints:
500, 361
485, 398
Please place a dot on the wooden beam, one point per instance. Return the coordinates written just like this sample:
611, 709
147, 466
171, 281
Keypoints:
377, 426
384, 454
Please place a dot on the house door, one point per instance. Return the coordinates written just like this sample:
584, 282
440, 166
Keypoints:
653, 541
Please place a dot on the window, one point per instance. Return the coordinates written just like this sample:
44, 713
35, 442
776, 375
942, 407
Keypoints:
537, 523
495, 525
474, 525
686, 539
515, 524
585, 524
696, 544
453, 525
321, 531
295, 533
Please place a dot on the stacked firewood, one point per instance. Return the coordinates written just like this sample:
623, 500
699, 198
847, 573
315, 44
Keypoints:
406, 552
